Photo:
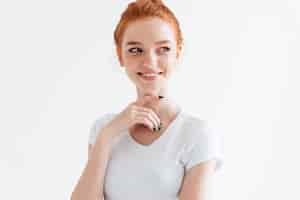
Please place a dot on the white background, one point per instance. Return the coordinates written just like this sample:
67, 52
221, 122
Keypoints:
59, 72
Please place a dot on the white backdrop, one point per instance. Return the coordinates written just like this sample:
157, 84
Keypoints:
58, 73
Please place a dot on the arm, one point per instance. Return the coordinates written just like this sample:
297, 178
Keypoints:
90, 184
197, 182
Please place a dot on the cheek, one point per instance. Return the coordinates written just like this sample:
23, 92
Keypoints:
130, 62
167, 63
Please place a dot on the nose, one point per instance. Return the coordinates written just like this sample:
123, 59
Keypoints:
149, 59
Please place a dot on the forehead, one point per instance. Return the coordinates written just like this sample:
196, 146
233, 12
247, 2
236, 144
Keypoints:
149, 31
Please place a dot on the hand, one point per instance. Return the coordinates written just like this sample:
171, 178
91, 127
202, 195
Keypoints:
139, 114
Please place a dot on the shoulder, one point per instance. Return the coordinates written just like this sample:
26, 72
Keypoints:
97, 124
102, 119
194, 126
199, 132
203, 142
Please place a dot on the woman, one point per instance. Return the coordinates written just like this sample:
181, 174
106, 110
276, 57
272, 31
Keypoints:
152, 149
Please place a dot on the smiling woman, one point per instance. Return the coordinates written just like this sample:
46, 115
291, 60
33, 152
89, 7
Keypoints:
153, 149
149, 56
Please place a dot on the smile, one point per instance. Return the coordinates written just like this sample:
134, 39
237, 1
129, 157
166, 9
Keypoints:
149, 76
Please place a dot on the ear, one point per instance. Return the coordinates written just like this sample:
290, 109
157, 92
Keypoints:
179, 53
178, 56
121, 61
119, 54
178, 59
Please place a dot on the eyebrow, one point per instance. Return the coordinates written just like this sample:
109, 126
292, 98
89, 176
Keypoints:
136, 42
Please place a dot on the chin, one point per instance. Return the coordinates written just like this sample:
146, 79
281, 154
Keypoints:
150, 90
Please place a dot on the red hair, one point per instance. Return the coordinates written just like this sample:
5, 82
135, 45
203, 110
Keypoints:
142, 9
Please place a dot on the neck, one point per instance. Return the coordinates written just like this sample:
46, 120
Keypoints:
168, 107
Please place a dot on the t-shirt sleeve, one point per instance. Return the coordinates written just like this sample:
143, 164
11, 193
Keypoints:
96, 126
206, 145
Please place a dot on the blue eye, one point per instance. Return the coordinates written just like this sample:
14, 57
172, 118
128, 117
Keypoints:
135, 50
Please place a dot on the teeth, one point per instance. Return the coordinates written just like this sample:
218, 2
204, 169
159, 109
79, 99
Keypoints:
149, 74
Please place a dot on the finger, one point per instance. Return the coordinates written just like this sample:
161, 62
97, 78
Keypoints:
154, 117
141, 120
140, 112
150, 116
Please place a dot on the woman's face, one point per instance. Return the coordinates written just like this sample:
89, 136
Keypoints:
149, 46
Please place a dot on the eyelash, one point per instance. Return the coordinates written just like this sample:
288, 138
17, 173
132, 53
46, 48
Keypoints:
167, 48
130, 50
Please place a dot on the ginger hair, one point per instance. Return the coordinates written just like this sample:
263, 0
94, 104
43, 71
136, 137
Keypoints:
141, 9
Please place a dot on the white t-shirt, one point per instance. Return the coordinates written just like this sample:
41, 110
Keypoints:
136, 171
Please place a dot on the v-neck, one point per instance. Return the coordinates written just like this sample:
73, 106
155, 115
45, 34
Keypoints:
164, 134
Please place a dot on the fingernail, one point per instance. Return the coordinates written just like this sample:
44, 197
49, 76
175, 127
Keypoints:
160, 126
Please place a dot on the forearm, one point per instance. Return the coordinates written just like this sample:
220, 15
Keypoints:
91, 182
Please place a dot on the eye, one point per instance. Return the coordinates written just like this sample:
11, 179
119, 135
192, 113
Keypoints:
164, 49
135, 50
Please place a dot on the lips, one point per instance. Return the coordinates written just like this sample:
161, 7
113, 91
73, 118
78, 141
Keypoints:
149, 76
143, 73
